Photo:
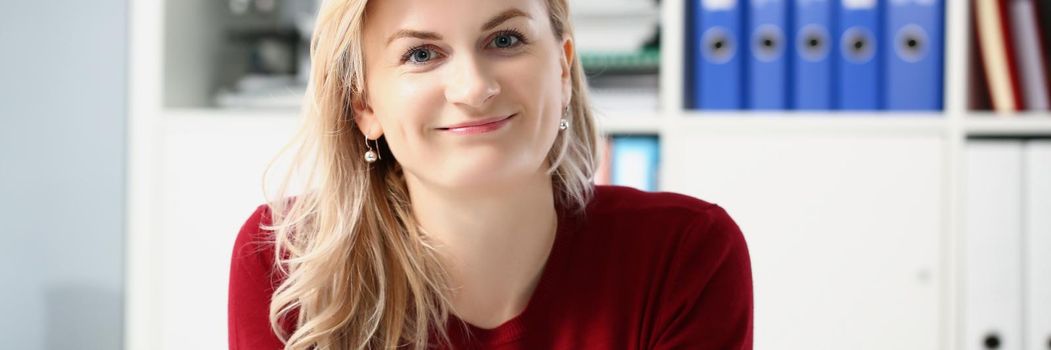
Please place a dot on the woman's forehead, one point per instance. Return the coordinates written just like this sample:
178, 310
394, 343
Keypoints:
387, 18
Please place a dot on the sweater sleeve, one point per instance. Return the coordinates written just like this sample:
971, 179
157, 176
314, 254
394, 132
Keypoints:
251, 286
709, 303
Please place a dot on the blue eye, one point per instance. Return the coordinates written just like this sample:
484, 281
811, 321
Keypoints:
508, 39
419, 54
505, 41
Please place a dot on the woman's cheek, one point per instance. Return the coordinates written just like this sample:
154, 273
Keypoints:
412, 109
419, 92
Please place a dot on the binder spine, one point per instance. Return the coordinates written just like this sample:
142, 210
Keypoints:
720, 71
812, 78
914, 48
768, 54
858, 69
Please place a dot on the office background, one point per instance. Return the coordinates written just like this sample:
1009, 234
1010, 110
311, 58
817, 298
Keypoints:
134, 135
63, 117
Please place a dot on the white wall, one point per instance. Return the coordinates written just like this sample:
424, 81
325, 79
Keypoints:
62, 165
210, 181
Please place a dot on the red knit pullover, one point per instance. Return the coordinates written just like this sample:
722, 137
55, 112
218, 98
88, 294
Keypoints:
639, 270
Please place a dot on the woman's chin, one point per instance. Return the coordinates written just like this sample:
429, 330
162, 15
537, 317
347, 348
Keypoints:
484, 178
475, 181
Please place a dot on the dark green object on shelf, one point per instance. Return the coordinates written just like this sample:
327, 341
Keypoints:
644, 61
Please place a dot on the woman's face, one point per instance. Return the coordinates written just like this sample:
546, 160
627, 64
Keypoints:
431, 65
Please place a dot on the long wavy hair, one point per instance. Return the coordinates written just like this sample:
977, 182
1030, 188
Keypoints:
356, 271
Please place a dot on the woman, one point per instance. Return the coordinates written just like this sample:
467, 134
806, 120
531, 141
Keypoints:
450, 154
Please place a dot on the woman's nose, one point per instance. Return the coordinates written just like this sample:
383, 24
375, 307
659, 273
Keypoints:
471, 84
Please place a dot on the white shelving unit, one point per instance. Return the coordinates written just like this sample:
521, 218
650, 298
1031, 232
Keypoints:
989, 124
853, 219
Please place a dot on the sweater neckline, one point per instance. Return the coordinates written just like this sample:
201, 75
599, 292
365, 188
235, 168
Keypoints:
515, 327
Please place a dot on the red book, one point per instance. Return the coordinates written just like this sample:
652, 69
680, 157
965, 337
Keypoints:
994, 45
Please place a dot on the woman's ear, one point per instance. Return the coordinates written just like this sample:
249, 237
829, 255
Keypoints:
365, 118
567, 71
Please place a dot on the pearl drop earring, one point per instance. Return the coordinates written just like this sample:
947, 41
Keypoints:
564, 123
370, 155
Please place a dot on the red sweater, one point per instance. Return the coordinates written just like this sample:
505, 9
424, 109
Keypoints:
638, 271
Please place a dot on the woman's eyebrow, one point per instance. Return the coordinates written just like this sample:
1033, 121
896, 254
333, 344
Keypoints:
495, 21
503, 16
408, 33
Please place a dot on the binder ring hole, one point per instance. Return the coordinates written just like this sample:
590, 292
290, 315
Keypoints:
858, 45
911, 43
717, 45
992, 341
813, 42
767, 43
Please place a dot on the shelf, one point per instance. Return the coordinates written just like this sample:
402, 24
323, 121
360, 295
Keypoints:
816, 122
229, 113
630, 122
1008, 125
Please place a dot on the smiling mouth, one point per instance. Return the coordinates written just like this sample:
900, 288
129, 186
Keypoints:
478, 129
482, 125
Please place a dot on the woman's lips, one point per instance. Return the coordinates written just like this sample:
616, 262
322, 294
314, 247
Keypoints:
479, 128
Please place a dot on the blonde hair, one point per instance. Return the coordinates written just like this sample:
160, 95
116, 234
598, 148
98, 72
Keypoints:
357, 271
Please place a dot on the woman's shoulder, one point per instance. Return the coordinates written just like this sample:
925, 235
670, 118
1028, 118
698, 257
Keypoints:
253, 279
695, 242
665, 218
253, 250
690, 251
621, 200
252, 232
255, 239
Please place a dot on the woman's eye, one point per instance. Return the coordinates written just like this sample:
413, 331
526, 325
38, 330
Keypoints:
504, 41
419, 55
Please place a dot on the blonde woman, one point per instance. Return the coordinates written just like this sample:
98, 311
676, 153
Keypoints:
449, 153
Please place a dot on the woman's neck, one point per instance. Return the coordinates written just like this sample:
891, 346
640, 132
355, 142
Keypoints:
495, 243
